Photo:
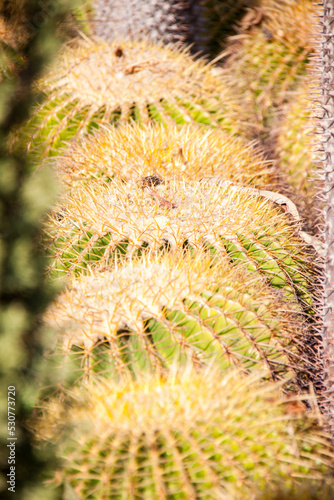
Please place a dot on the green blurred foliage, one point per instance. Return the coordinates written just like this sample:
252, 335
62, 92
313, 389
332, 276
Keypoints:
27, 192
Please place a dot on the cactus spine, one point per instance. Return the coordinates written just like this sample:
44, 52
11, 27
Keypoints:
133, 152
326, 61
156, 311
126, 218
96, 83
203, 24
180, 437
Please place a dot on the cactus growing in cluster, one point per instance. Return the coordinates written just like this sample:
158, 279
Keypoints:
201, 24
191, 152
267, 60
96, 83
156, 311
190, 434
95, 223
295, 142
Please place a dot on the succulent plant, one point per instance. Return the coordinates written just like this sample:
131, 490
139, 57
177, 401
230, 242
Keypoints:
295, 148
96, 83
191, 434
97, 222
132, 152
267, 60
158, 310
203, 24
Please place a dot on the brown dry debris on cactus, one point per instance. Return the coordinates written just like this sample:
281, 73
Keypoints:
95, 83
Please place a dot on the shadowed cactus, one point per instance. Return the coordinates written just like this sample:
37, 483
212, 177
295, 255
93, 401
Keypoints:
96, 83
181, 437
267, 60
202, 24
192, 152
155, 311
94, 224
295, 147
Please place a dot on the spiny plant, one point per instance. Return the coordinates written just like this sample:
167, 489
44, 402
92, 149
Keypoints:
266, 61
132, 152
25, 196
190, 434
202, 24
96, 83
295, 147
93, 224
326, 114
158, 310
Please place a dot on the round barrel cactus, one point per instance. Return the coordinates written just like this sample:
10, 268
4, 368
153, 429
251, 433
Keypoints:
191, 434
192, 152
155, 311
95, 83
266, 61
295, 142
95, 224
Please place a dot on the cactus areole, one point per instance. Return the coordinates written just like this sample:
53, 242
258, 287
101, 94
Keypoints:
327, 130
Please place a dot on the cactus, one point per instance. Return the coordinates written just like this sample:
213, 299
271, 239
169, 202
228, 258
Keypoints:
203, 24
266, 62
132, 152
95, 223
180, 437
96, 83
295, 149
155, 311
326, 114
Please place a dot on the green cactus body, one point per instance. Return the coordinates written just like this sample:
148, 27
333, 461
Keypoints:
295, 147
97, 83
267, 60
94, 223
155, 311
179, 437
133, 152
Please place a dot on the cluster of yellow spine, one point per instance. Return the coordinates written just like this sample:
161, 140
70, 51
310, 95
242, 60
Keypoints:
187, 287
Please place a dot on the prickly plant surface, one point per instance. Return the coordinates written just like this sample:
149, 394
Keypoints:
156, 311
267, 60
132, 152
203, 24
188, 435
326, 114
97, 222
97, 83
295, 146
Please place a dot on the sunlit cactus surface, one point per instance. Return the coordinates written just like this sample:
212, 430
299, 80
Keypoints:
96, 223
132, 152
188, 435
267, 59
95, 83
155, 311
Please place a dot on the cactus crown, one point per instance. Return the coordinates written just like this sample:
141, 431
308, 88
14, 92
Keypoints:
133, 151
160, 437
95, 82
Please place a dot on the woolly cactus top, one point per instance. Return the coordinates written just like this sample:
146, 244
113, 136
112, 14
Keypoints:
132, 151
121, 73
